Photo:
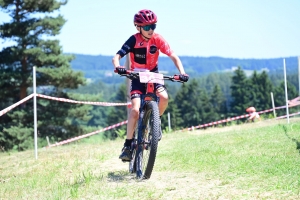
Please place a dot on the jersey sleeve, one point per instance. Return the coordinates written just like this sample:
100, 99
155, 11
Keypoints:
164, 47
127, 46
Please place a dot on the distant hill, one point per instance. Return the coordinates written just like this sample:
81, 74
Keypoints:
99, 67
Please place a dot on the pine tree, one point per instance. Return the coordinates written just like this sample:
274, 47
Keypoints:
218, 102
240, 92
261, 88
172, 109
174, 116
280, 100
32, 29
205, 108
193, 104
182, 103
254, 96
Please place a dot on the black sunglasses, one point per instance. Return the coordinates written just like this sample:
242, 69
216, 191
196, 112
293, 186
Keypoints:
147, 27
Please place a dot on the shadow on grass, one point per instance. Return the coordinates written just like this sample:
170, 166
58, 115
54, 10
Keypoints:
118, 176
293, 139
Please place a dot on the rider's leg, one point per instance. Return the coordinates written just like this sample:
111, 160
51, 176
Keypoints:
161, 92
132, 120
133, 117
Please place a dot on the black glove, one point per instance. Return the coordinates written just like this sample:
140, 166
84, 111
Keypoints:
184, 77
121, 70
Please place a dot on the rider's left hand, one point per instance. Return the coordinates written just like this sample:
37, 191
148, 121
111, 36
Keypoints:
184, 77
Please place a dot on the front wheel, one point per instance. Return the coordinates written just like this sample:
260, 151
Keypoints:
148, 135
132, 163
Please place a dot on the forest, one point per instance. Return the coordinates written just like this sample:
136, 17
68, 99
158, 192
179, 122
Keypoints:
218, 88
201, 100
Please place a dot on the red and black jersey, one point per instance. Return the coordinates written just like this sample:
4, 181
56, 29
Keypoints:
144, 54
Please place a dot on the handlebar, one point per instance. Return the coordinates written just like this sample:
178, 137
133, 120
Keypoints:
135, 75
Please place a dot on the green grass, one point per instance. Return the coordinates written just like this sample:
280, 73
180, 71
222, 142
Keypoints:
250, 161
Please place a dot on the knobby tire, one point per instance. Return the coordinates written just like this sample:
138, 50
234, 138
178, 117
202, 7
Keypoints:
148, 134
132, 163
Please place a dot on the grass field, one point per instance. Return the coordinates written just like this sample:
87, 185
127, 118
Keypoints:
250, 161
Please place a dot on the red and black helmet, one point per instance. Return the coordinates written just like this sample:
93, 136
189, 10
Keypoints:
144, 17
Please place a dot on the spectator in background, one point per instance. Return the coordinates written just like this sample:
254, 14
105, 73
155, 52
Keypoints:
253, 114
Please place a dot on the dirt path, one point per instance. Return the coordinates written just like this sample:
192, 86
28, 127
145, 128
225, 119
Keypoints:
171, 185
180, 185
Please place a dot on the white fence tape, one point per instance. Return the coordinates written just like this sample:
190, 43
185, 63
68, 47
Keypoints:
290, 115
83, 102
87, 135
2, 112
235, 118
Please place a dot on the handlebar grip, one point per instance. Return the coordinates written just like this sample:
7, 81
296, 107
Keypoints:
176, 77
127, 71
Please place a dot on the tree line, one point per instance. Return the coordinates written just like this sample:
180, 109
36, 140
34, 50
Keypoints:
97, 66
201, 100
215, 97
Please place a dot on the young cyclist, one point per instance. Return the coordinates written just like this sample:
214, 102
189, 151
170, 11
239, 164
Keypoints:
144, 48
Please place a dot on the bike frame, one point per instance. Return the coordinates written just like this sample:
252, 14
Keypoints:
149, 96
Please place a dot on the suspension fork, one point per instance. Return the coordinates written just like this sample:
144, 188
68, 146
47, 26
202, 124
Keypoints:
149, 96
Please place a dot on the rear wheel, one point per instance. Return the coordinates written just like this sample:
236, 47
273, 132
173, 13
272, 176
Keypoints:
147, 140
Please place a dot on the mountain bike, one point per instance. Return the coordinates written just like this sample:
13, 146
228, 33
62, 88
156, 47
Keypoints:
148, 131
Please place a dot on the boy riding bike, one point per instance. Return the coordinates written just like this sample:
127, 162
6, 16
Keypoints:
144, 48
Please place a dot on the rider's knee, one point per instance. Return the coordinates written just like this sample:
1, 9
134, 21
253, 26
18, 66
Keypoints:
134, 113
163, 96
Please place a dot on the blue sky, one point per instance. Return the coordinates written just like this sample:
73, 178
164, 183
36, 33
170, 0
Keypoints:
226, 28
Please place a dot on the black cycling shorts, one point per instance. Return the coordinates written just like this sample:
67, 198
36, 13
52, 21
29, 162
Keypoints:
137, 88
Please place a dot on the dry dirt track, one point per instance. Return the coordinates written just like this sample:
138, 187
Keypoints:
180, 185
170, 185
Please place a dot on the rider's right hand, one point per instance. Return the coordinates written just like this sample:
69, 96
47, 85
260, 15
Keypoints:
121, 70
